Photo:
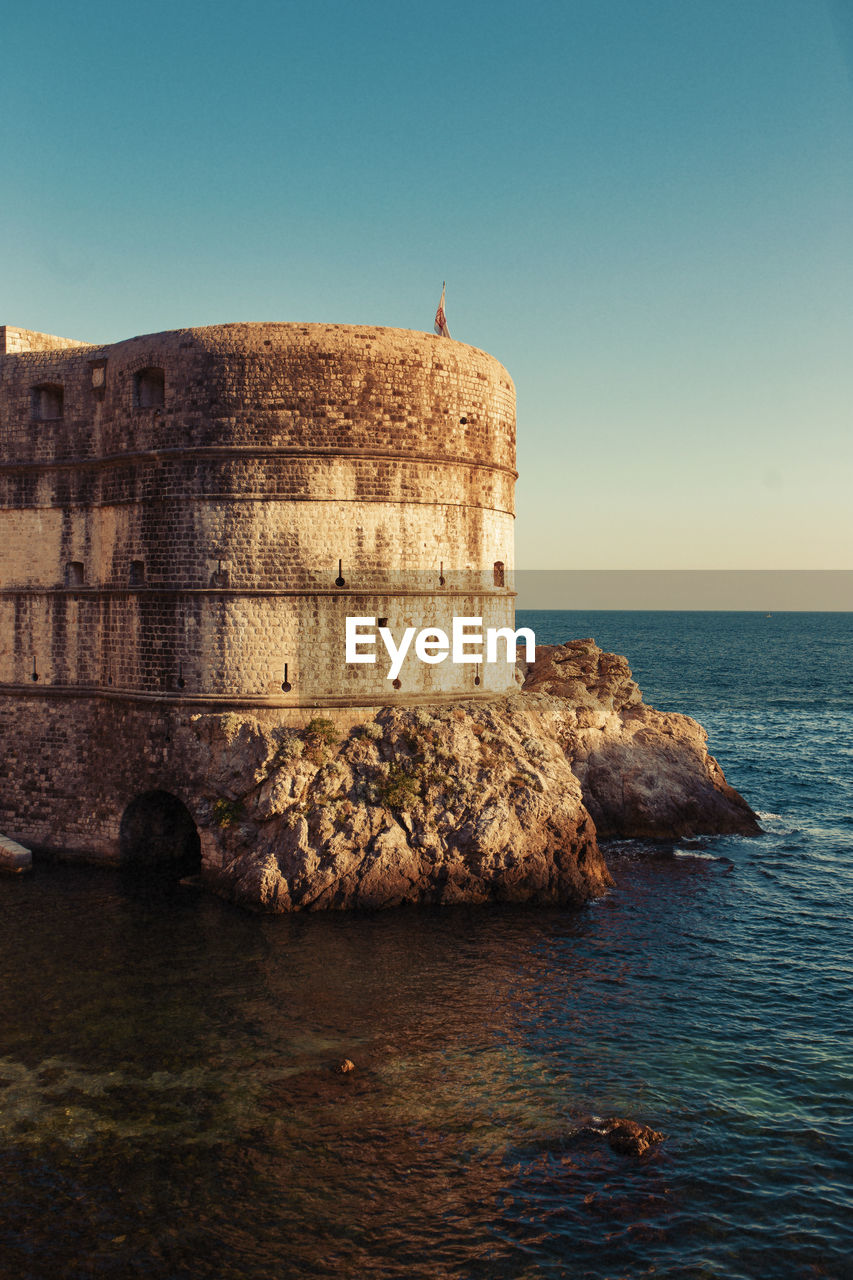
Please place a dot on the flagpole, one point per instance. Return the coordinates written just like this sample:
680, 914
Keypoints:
440, 324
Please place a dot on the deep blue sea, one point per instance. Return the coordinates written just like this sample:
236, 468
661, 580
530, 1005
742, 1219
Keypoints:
168, 1100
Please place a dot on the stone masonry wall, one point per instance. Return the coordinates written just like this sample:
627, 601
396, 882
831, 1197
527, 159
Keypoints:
14, 340
73, 764
145, 545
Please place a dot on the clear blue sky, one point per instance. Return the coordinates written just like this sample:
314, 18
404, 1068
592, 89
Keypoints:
643, 208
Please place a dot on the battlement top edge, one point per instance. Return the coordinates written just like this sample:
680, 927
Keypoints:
265, 337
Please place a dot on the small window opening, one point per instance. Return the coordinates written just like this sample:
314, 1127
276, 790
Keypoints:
463, 421
98, 369
398, 684
137, 573
149, 389
383, 622
340, 580
47, 402
74, 573
499, 573
285, 684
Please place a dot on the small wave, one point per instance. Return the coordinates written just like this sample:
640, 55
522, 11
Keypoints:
776, 824
696, 853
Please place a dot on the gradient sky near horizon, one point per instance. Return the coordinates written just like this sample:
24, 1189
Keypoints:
644, 210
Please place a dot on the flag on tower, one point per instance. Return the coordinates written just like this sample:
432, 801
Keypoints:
440, 318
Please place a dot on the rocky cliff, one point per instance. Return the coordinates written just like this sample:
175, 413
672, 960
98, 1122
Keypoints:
644, 774
499, 800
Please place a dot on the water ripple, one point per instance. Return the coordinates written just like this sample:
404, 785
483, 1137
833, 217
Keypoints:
169, 1105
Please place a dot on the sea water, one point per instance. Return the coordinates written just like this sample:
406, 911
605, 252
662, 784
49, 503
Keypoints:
169, 1105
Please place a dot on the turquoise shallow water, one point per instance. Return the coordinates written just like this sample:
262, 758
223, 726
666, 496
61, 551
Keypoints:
169, 1108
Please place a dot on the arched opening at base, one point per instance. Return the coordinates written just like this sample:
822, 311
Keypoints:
157, 834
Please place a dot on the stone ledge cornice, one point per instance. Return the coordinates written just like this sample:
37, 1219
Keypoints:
248, 452
151, 592
230, 702
283, 499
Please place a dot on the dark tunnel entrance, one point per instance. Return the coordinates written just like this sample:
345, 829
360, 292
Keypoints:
157, 835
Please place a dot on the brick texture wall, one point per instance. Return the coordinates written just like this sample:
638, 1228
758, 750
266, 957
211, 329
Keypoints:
144, 546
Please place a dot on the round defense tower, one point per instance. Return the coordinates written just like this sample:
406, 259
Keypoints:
193, 515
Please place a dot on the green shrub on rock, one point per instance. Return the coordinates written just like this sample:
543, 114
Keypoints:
320, 734
396, 788
227, 812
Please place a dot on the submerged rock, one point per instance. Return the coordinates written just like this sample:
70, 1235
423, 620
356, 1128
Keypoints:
498, 800
628, 1138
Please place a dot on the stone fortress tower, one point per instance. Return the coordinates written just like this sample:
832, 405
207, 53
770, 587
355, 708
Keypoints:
187, 518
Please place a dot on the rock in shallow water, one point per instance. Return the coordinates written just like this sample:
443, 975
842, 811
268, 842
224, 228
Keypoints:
628, 1138
14, 858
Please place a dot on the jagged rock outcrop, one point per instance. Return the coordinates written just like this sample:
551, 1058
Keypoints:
645, 774
472, 803
483, 801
